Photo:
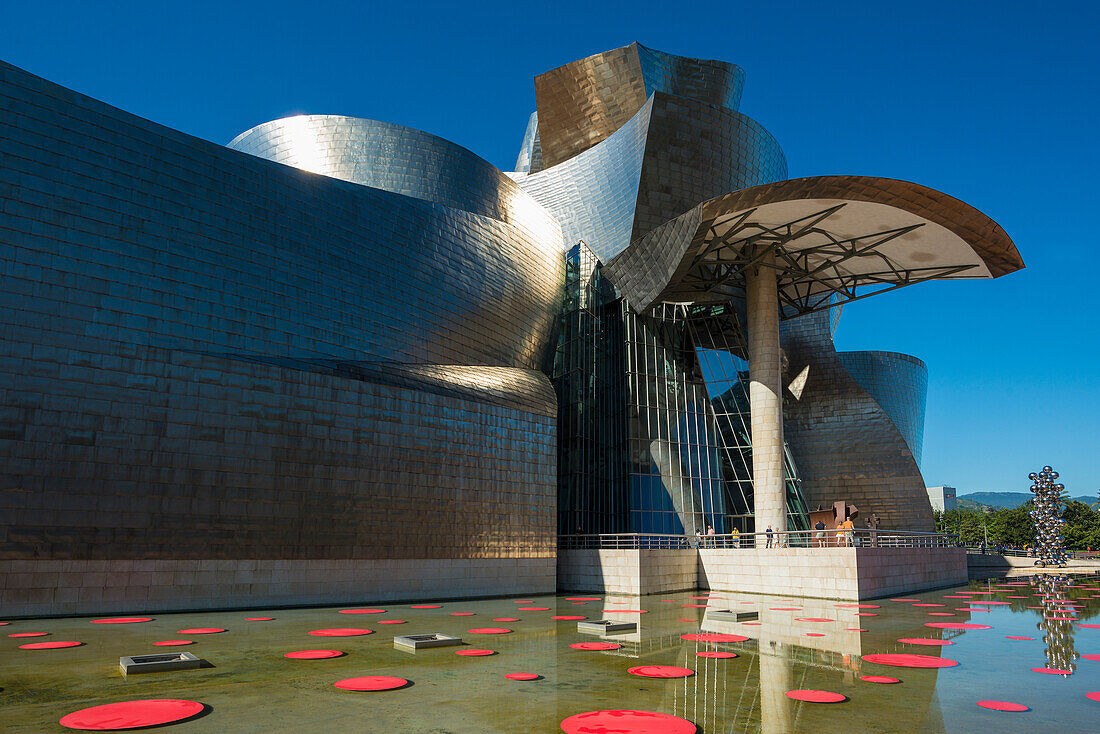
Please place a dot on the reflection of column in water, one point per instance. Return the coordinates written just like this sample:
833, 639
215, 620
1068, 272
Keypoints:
775, 681
1057, 633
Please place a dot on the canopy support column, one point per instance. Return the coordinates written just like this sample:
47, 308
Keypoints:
766, 394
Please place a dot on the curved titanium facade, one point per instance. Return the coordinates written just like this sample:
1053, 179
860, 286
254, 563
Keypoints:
899, 384
397, 159
212, 358
584, 102
847, 445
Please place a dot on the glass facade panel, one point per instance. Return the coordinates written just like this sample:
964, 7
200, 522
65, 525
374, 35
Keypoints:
658, 415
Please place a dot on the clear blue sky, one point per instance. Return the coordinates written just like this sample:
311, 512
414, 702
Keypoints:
993, 102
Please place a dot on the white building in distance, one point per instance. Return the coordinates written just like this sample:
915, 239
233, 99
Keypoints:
942, 498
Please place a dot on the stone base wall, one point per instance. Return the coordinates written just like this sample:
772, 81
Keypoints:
43, 588
627, 571
831, 573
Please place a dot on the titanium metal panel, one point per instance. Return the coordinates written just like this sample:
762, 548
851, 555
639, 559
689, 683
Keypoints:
899, 384
210, 355
847, 446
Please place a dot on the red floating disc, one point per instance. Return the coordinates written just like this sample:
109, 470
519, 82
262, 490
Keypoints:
715, 654
341, 632
754, 624
817, 696
1087, 657
173, 643
687, 620
509, 619
907, 660
813, 619
49, 645
941, 614
1093, 696
568, 616
697, 606
582, 598
866, 614
930, 605
122, 620
924, 641
258, 619
958, 626
991, 603
390, 621
577, 603
28, 634
595, 646
462, 614
1003, 706
854, 629
532, 609
660, 671
1020, 637
813, 634
362, 611
713, 637
426, 606
474, 652
489, 631
879, 679
313, 654
371, 683
856, 606
131, 714
955, 596
524, 601
203, 631
4, 624
1088, 626
626, 721
522, 676
1052, 671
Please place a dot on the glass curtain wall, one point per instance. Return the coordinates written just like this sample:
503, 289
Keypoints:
654, 415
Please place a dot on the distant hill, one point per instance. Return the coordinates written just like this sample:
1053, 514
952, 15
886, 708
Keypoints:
1005, 499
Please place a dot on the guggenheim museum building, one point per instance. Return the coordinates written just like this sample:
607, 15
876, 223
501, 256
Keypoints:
343, 359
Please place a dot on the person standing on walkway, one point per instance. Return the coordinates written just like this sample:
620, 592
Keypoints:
768, 536
849, 532
819, 534
710, 536
736, 538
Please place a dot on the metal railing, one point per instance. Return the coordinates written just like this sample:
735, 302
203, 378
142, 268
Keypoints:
829, 538
1028, 553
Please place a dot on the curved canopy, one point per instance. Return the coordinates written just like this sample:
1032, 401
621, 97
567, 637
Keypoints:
835, 238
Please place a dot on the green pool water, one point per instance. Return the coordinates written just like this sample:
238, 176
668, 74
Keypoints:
251, 687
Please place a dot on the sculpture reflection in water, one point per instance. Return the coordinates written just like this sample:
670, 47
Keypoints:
1046, 513
1056, 625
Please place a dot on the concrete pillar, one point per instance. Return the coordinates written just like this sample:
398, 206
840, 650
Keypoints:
766, 395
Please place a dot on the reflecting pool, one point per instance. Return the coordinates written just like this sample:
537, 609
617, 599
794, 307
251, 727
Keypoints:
795, 644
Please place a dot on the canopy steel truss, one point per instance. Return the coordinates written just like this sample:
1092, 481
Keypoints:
809, 260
